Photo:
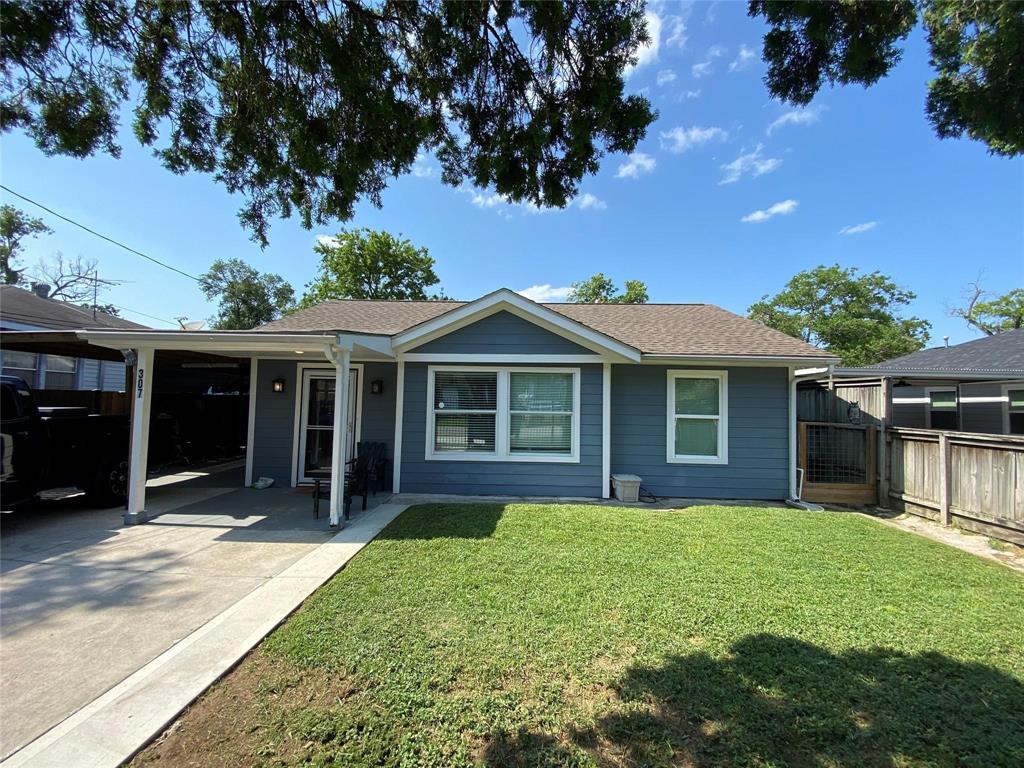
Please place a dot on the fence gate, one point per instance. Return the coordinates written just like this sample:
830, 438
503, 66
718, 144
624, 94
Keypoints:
839, 462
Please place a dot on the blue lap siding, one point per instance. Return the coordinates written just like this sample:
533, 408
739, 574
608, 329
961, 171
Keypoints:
273, 446
758, 465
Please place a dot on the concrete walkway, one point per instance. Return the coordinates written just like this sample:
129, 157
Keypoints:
109, 632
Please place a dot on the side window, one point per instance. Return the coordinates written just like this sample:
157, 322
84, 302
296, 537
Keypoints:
697, 416
1015, 411
942, 413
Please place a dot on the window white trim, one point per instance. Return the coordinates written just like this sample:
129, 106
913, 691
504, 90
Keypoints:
928, 403
723, 417
502, 420
1006, 404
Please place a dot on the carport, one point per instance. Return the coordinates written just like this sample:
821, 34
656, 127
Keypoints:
140, 347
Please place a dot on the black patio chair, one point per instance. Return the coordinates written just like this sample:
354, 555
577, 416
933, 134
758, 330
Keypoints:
378, 463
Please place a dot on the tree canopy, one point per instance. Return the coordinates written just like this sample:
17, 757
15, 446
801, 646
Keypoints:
976, 48
247, 297
311, 105
15, 226
857, 317
992, 314
369, 264
599, 289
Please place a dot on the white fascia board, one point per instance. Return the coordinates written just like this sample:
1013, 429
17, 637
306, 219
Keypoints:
380, 345
525, 359
735, 360
214, 342
508, 301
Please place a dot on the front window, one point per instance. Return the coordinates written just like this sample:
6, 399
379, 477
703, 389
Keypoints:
20, 364
696, 430
503, 414
942, 409
1015, 411
60, 372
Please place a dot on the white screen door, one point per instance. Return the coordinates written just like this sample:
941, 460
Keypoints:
317, 413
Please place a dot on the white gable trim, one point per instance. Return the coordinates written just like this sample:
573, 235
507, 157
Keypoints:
504, 300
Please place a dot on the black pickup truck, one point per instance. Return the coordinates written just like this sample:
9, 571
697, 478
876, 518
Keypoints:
46, 448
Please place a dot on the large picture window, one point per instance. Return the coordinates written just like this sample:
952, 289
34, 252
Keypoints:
503, 414
697, 425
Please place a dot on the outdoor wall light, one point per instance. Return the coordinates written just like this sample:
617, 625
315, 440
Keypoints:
279, 385
377, 387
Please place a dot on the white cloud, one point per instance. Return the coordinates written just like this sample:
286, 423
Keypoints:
676, 37
647, 53
636, 165
683, 95
493, 200
421, 167
588, 201
546, 292
856, 229
784, 208
326, 240
743, 59
703, 69
804, 116
680, 139
717, 51
752, 163
666, 76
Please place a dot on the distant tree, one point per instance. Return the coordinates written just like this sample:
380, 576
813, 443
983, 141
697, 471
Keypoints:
599, 289
857, 317
312, 105
73, 280
976, 49
247, 297
15, 226
370, 264
992, 315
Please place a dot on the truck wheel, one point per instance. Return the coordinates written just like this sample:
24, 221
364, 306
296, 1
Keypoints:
110, 482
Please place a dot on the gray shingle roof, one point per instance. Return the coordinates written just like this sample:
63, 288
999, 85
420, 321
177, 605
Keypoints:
999, 355
655, 329
23, 307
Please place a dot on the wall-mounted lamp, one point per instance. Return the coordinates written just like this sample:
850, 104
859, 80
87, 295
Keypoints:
278, 385
377, 387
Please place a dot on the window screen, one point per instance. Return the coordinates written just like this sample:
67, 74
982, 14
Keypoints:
942, 404
20, 364
60, 372
1015, 404
465, 411
540, 413
697, 417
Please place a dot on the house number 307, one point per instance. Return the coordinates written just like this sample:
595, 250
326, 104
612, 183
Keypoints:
138, 386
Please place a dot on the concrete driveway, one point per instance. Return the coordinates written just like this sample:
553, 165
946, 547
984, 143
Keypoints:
85, 601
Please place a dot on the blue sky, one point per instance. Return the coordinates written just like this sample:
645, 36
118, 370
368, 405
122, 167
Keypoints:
729, 195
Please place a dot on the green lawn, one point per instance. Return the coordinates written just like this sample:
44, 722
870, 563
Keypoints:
578, 635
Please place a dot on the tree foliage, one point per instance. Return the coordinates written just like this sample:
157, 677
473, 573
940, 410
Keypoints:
599, 289
247, 298
311, 105
369, 264
15, 226
857, 317
992, 314
976, 49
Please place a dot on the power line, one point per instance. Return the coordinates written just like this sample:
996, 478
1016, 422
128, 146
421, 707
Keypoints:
151, 317
97, 234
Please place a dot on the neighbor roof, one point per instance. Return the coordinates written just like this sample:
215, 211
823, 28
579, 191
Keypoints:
654, 329
998, 355
25, 308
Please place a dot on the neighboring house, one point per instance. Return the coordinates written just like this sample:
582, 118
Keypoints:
22, 310
504, 396
977, 386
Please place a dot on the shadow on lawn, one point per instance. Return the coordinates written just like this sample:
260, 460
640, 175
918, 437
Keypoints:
780, 701
445, 521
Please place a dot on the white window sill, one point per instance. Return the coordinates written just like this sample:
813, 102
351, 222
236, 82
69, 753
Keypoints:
721, 460
511, 458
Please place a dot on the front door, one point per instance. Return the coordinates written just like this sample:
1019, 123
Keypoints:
316, 438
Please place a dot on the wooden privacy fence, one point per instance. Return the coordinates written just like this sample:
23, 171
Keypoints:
973, 479
839, 462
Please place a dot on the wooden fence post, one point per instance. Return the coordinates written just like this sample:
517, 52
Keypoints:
944, 477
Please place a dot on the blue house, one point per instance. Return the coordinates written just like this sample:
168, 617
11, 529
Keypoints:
505, 396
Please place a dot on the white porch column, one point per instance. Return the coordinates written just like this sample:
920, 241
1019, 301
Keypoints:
606, 431
142, 392
342, 359
396, 473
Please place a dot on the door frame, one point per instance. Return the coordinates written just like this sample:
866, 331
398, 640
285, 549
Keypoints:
300, 378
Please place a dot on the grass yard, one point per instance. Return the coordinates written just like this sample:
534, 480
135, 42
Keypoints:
595, 636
